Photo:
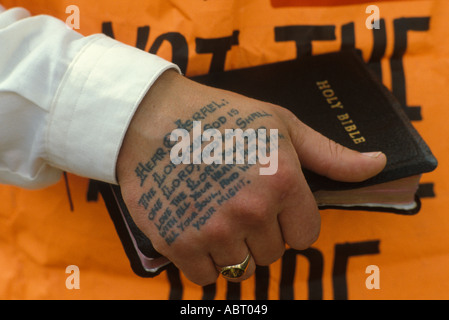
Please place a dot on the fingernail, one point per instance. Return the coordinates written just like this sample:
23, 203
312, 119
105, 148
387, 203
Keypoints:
374, 154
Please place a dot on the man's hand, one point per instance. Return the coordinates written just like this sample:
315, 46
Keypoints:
201, 216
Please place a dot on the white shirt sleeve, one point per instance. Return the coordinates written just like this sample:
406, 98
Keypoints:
65, 100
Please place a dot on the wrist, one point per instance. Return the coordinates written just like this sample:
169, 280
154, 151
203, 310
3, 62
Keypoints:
145, 131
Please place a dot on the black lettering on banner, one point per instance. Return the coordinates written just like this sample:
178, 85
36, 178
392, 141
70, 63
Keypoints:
347, 37
142, 37
379, 44
343, 252
303, 36
180, 49
67, 189
401, 27
219, 48
426, 190
379, 47
262, 277
174, 279
209, 292
93, 189
233, 291
106, 28
316, 266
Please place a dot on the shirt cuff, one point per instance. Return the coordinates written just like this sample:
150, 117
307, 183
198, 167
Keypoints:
95, 103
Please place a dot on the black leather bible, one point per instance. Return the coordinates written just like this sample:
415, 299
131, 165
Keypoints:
337, 95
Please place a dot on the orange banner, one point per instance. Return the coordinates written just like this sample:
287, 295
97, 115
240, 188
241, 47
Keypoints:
359, 255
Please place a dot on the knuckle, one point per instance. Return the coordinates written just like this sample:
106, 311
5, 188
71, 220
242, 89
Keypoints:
335, 150
256, 212
161, 247
269, 259
308, 237
286, 175
287, 114
219, 232
304, 230
204, 280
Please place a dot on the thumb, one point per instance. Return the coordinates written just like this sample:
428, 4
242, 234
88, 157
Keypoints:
330, 159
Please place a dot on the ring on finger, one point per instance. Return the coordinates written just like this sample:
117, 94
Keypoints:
236, 271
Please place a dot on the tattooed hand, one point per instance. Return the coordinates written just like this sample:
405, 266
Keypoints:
200, 215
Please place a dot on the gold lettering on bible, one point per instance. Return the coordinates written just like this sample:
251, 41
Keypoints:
344, 118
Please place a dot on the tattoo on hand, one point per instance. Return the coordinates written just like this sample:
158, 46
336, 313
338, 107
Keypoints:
193, 192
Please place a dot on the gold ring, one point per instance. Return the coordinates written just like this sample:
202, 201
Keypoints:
235, 271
